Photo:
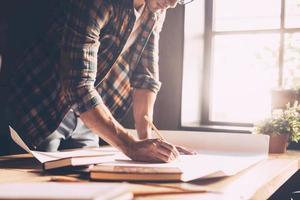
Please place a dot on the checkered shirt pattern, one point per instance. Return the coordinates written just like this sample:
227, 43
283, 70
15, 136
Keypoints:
78, 65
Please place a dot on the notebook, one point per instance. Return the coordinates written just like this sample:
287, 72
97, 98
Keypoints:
65, 191
219, 155
71, 158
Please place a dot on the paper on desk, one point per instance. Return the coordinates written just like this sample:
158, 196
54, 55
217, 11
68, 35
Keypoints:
219, 154
216, 142
65, 191
49, 156
201, 165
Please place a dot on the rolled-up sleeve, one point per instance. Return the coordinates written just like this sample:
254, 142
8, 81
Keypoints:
146, 74
80, 46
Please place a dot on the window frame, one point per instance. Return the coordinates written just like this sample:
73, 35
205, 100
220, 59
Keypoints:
209, 33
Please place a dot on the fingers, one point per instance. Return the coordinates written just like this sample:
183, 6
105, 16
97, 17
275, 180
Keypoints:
169, 151
185, 151
161, 157
154, 150
170, 148
163, 151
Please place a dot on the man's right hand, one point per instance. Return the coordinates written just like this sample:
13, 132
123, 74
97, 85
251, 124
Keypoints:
152, 150
101, 122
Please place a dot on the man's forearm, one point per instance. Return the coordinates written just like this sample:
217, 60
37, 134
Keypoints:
101, 122
143, 104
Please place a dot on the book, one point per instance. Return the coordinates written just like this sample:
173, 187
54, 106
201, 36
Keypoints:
65, 191
74, 161
219, 155
69, 158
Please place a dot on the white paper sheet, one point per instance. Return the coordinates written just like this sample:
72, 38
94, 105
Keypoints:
49, 156
201, 165
219, 154
240, 143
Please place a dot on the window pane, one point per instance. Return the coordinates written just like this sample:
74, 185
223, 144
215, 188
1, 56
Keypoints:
292, 12
291, 76
246, 14
244, 71
192, 63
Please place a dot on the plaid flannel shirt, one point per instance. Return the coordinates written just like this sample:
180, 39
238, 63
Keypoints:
78, 65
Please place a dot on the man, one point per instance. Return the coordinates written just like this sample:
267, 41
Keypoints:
93, 54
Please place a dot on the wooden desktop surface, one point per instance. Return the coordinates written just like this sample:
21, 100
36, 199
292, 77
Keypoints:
257, 182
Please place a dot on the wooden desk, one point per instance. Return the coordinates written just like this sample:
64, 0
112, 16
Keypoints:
257, 182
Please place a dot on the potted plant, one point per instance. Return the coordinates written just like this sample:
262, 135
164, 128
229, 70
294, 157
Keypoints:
282, 127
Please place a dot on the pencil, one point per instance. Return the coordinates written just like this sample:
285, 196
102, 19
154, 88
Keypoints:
157, 132
154, 128
64, 179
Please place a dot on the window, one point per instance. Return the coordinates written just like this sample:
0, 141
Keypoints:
235, 53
